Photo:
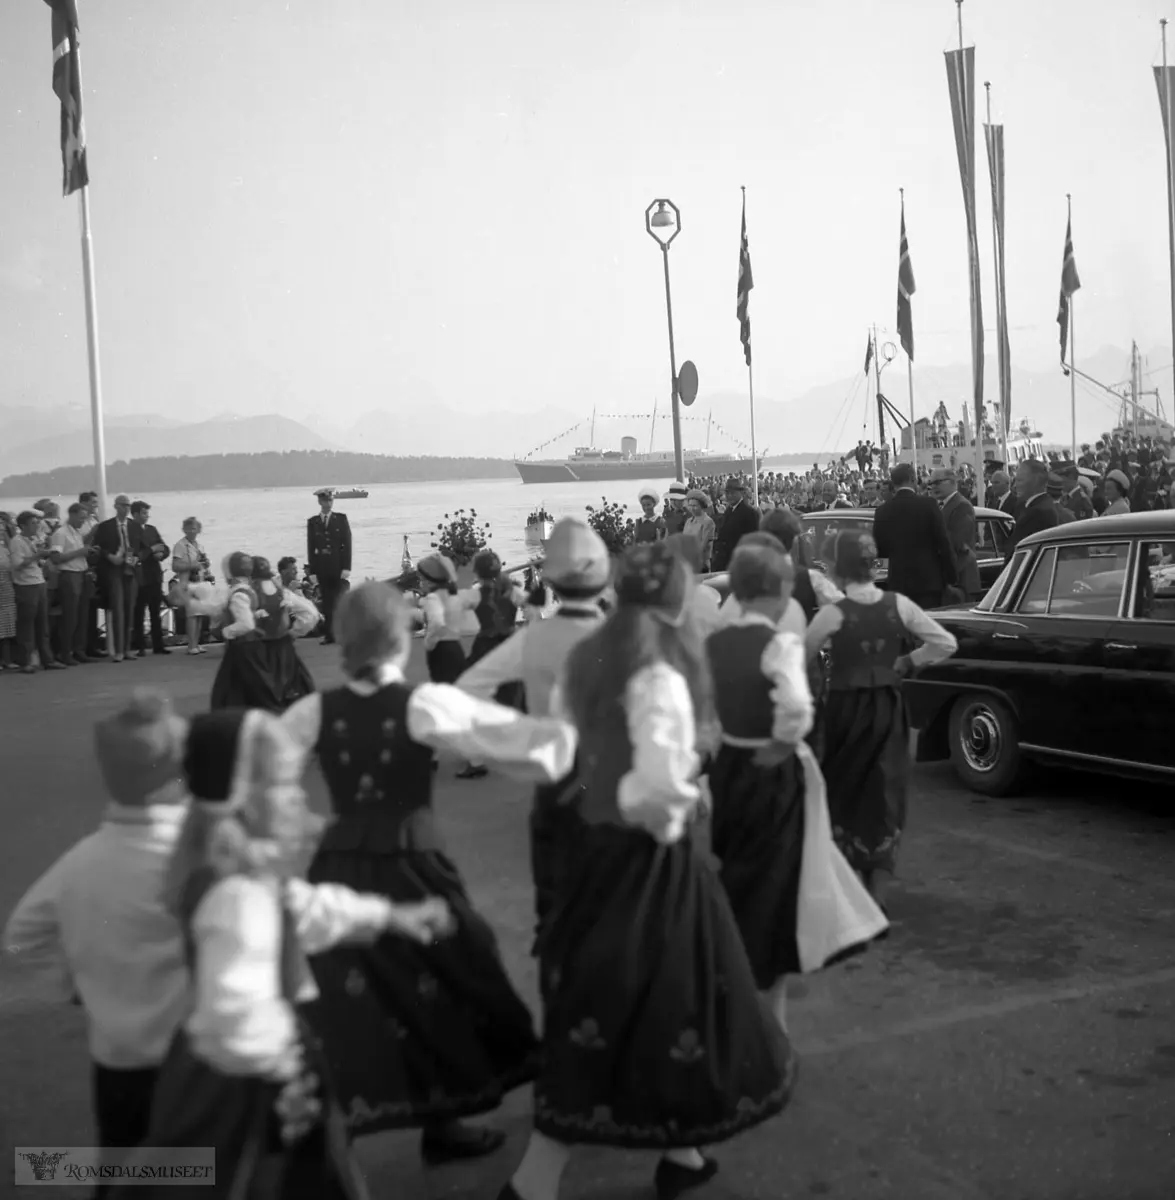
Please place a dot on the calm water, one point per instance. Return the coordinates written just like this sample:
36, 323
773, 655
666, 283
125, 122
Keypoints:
272, 522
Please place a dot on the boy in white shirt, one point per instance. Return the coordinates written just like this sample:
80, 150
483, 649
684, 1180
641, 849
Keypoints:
100, 909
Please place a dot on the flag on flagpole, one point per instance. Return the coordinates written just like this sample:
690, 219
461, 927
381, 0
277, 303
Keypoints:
994, 136
1070, 282
868, 353
905, 291
67, 86
745, 283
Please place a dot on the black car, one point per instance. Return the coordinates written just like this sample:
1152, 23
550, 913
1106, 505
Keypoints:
993, 530
1068, 660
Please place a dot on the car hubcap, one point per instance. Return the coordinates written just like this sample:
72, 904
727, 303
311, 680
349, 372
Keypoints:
981, 738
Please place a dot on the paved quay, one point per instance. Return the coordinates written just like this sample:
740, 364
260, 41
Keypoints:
1013, 1040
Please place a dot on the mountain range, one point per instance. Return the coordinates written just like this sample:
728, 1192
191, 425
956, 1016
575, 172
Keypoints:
823, 421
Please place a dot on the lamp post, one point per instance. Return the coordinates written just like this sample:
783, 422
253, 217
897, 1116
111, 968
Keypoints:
663, 224
883, 356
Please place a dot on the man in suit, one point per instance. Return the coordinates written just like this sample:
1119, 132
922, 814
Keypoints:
149, 598
740, 518
1037, 511
118, 541
1000, 494
959, 515
328, 553
911, 533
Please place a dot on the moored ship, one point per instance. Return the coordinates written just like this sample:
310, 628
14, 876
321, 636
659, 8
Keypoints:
588, 464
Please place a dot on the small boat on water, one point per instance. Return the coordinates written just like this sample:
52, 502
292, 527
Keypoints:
354, 493
538, 530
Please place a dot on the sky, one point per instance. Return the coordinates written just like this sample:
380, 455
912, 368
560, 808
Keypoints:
325, 209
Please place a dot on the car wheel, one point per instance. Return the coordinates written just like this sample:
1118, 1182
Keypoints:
985, 744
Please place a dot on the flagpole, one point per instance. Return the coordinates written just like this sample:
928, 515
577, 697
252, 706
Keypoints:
909, 360
750, 375
1167, 130
999, 304
96, 421
1072, 357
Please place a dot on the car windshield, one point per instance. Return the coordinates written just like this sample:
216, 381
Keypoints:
997, 593
818, 530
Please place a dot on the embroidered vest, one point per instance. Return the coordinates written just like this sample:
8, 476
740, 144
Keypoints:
866, 646
742, 693
496, 613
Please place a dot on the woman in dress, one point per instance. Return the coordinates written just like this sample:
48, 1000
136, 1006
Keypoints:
260, 667
866, 751
190, 564
7, 596
700, 525
243, 1075
441, 612
769, 822
428, 1036
654, 1035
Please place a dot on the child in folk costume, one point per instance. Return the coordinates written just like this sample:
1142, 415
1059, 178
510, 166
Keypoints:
99, 909
418, 1037
243, 1074
655, 1037
260, 620
495, 602
866, 753
441, 611
576, 568
769, 808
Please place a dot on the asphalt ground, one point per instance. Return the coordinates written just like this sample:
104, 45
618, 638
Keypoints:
1014, 1039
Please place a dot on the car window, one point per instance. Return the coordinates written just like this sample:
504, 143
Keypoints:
1085, 580
1154, 596
817, 533
991, 537
998, 590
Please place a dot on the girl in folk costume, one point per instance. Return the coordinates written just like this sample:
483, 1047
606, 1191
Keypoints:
577, 569
654, 1036
98, 907
495, 602
770, 826
866, 753
418, 1037
259, 621
243, 1074
441, 612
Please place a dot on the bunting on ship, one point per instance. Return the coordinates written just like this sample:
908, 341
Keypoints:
961, 79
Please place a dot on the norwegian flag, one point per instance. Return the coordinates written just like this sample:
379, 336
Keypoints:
68, 88
745, 283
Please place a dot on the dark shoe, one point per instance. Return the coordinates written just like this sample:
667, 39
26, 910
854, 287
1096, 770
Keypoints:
65, 662
29, 670
161, 650
672, 1180
508, 1192
55, 666
473, 772
457, 1142
82, 658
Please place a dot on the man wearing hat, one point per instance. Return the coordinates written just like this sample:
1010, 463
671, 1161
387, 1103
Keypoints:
328, 553
959, 514
738, 520
676, 514
577, 568
119, 543
1056, 491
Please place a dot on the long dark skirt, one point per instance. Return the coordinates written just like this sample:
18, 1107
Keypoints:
866, 767
195, 1105
446, 661
655, 1036
261, 674
418, 1033
509, 694
554, 824
757, 832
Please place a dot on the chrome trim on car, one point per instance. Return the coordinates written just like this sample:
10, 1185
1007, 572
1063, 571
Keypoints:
1030, 748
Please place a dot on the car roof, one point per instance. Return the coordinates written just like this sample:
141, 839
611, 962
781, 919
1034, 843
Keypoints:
1150, 524
832, 514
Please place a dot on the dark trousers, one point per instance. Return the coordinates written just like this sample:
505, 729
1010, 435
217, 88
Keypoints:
122, 1107
330, 590
148, 600
73, 593
32, 623
120, 609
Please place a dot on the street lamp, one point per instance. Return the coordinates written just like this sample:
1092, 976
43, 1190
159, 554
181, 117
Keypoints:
887, 353
663, 223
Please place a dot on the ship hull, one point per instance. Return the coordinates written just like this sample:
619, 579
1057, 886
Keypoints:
553, 471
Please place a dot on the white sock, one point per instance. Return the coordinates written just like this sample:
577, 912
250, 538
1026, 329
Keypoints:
692, 1160
541, 1169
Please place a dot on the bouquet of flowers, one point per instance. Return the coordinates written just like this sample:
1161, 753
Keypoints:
614, 528
462, 537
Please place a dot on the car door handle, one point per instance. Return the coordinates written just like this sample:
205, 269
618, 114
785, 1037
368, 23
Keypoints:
1120, 646
1006, 637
